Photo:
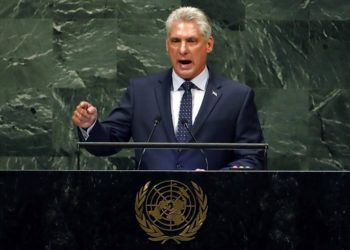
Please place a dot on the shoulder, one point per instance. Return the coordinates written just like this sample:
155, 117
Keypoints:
151, 79
229, 85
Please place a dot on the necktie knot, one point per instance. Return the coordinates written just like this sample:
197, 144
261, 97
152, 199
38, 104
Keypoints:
187, 86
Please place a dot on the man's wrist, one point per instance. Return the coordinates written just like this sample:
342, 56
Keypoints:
86, 131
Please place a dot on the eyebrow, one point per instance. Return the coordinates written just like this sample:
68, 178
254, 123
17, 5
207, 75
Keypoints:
186, 38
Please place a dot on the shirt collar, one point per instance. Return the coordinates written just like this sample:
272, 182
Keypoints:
200, 80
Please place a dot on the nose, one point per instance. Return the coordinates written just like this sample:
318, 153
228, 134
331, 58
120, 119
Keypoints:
183, 47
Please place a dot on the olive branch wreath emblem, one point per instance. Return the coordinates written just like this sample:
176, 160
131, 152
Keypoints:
155, 233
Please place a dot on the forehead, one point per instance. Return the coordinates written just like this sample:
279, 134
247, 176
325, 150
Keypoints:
184, 29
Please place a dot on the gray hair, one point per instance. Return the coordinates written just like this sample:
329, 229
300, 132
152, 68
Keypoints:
190, 14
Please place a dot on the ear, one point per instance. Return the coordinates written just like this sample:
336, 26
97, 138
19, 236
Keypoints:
210, 44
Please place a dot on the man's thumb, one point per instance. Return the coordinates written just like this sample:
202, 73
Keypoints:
91, 110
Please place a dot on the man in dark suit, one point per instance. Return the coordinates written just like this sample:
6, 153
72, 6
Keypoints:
189, 96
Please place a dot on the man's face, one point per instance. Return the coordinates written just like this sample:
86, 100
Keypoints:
188, 49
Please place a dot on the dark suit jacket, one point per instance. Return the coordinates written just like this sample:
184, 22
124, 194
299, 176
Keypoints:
227, 114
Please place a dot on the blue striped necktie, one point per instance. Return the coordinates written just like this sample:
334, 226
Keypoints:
185, 114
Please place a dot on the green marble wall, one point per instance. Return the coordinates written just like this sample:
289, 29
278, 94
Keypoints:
54, 53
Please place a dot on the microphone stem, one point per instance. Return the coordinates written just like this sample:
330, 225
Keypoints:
156, 122
202, 151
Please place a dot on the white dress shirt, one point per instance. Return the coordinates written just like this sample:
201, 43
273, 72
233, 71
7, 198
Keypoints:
197, 95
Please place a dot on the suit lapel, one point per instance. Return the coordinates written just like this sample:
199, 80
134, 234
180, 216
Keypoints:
162, 92
211, 97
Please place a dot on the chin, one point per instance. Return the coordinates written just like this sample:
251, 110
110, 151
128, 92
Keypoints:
185, 75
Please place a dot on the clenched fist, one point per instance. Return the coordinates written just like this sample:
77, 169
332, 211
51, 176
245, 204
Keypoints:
84, 115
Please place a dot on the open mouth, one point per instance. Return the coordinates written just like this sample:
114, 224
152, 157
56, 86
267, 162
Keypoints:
185, 62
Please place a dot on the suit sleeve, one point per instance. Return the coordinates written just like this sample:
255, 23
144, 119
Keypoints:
116, 128
248, 130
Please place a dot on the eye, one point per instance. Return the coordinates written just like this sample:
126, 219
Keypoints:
192, 40
175, 40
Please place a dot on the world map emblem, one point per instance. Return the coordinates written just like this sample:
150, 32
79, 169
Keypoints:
171, 210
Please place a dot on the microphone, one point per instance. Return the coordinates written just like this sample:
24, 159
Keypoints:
184, 122
155, 124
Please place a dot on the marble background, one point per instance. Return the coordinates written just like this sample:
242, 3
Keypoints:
54, 53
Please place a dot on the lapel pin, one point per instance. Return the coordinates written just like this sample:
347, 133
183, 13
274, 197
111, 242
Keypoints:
214, 93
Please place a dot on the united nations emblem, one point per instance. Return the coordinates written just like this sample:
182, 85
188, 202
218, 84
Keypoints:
171, 210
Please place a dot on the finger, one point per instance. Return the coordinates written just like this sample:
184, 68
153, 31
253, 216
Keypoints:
83, 113
81, 121
84, 105
76, 120
83, 116
91, 110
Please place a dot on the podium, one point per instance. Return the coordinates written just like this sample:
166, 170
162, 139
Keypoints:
244, 209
